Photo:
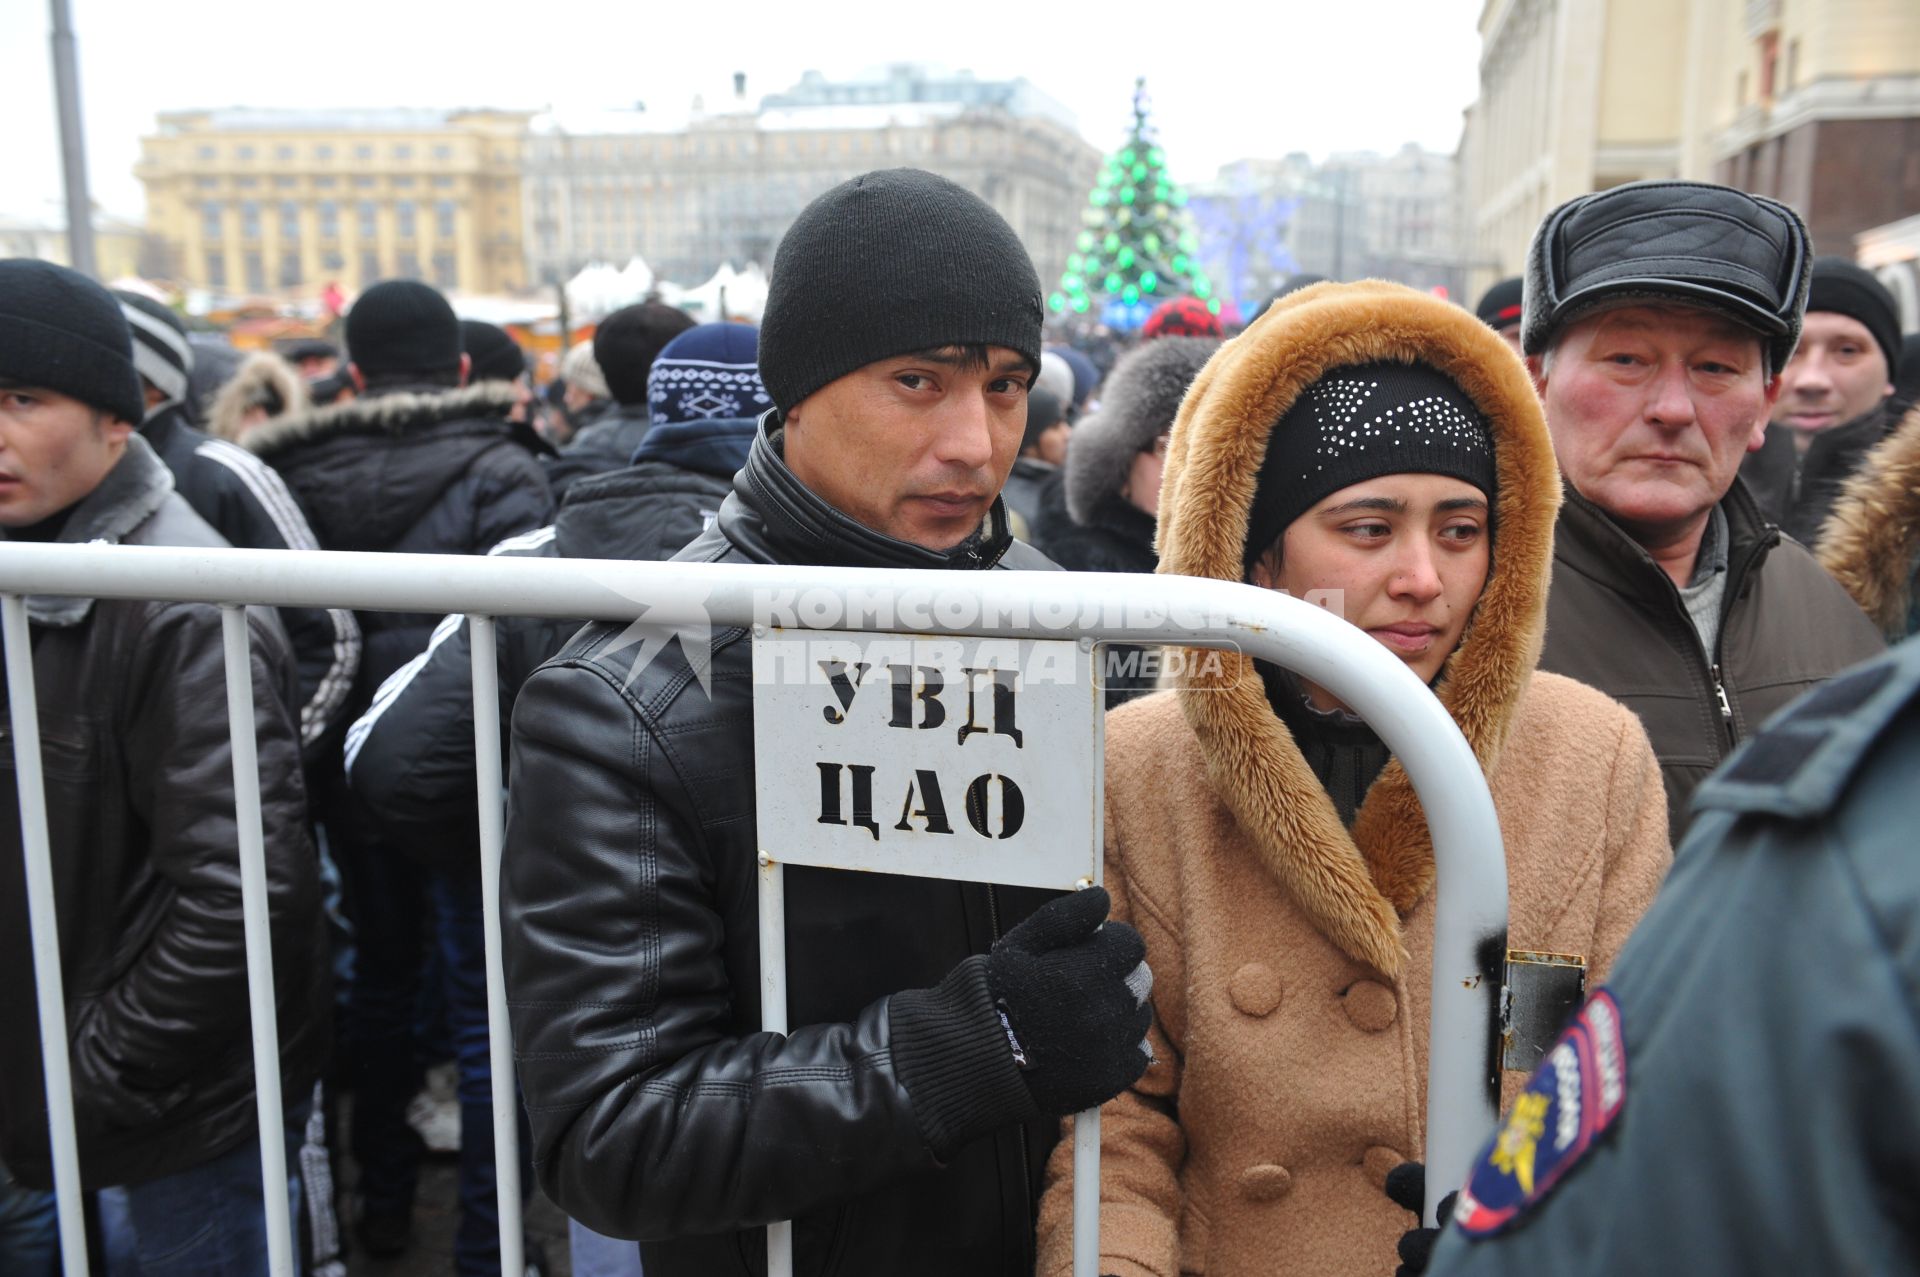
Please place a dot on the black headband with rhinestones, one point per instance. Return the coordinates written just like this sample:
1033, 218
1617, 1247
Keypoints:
1360, 422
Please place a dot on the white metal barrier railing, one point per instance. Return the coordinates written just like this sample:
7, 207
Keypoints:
1470, 912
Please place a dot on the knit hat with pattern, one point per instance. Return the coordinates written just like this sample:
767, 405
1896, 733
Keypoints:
707, 373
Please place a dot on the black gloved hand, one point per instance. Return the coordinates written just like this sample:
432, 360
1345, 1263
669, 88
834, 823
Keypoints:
1407, 1186
1072, 988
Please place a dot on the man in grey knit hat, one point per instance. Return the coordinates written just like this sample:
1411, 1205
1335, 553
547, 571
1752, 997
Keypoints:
941, 1028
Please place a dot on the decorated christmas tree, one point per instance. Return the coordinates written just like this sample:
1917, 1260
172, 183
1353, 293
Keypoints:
1137, 247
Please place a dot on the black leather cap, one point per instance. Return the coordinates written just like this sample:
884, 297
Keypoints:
1743, 255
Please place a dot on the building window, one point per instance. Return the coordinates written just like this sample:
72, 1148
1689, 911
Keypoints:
289, 269
403, 152
250, 220
282, 152
443, 182
206, 183
408, 266
443, 152
403, 220
329, 220
286, 183
363, 152
446, 274
322, 152
290, 221
404, 183
443, 219
369, 220
243, 153
256, 274
369, 267
216, 270
246, 183
333, 261
210, 221
206, 152
364, 181
326, 183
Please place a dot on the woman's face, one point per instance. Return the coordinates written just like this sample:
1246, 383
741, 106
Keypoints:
1142, 487
1404, 557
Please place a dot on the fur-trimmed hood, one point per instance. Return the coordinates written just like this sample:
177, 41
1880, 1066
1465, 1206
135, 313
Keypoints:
1139, 403
1871, 541
1355, 885
367, 472
263, 378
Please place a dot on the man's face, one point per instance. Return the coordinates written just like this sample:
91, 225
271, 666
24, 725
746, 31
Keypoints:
1052, 445
53, 451
915, 447
314, 367
1837, 373
1651, 409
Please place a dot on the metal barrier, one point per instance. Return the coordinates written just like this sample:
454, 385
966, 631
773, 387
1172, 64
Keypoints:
1470, 911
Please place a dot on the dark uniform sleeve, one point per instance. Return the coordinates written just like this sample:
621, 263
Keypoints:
1767, 1004
652, 1116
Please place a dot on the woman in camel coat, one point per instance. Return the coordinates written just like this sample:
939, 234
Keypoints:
1370, 438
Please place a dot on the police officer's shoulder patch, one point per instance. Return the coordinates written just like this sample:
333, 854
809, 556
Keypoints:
1571, 1100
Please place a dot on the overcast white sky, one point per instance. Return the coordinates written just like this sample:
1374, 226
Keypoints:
1244, 79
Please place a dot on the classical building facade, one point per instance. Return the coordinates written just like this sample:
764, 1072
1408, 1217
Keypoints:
689, 191
271, 202
1815, 102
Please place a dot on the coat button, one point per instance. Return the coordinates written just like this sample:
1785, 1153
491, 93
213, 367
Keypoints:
1255, 989
1265, 1183
1377, 1161
1370, 1006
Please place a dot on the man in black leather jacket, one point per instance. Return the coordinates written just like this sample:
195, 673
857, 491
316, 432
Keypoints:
895, 1124
138, 773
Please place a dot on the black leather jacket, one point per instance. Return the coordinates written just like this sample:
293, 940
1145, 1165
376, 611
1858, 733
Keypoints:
659, 1109
139, 788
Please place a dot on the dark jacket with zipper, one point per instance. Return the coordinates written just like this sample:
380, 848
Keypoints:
1797, 489
1616, 621
410, 757
606, 443
660, 1110
140, 816
246, 502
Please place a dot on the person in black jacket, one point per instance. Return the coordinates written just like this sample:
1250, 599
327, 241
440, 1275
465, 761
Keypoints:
140, 815
1834, 404
246, 502
416, 463
1098, 512
894, 1125
624, 348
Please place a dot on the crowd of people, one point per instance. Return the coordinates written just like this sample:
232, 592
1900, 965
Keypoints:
1618, 517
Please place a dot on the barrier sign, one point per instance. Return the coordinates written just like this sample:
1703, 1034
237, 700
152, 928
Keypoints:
975, 759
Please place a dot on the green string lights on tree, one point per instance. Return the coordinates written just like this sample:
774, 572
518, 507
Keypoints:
1137, 246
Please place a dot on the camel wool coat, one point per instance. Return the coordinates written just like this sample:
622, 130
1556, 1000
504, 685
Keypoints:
1291, 955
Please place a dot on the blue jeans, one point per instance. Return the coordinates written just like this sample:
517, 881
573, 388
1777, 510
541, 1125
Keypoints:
394, 901
210, 1220
597, 1256
29, 1233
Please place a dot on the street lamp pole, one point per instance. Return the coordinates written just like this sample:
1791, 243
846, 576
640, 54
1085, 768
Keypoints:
73, 150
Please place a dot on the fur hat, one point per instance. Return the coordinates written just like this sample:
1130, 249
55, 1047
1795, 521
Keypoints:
580, 371
1141, 400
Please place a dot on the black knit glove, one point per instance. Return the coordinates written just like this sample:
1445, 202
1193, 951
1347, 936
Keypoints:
1407, 1186
1072, 988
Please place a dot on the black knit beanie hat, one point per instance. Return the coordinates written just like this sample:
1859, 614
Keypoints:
495, 354
161, 353
888, 263
401, 327
1850, 290
628, 341
1500, 306
1358, 423
63, 332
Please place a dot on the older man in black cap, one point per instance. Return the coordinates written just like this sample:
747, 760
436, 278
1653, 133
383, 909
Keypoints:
1833, 405
895, 1125
1658, 318
420, 462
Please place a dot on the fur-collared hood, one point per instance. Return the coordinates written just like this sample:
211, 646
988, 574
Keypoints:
398, 412
1356, 886
1872, 539
263, 378
1139, 403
